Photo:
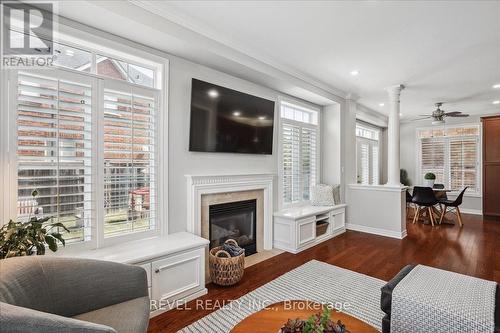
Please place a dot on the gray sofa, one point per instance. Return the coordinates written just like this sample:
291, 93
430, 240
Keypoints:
49, 294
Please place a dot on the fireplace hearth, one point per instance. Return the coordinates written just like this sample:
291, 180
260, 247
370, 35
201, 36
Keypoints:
235, 220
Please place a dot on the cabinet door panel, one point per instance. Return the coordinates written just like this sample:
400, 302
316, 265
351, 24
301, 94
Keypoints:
491, 198
177, 276
491, 137
306, 231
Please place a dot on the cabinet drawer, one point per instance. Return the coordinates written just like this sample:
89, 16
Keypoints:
178, 276
147, 268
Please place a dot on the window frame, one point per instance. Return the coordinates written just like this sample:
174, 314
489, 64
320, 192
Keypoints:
8, 145
371, 143
447, 170
317, 127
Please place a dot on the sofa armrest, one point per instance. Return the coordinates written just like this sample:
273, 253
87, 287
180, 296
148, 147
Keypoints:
83, 285
386, 296
16, 319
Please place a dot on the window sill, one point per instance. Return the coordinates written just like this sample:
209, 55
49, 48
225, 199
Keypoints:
138, 251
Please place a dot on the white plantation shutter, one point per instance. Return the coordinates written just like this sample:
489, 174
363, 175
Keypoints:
463, 163
433, 152
129, 160
452, 154
375, 164
364, 163
367, 150
308, 153
54, 129
291, 163
299, 149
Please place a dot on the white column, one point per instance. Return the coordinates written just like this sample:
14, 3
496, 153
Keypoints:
393, 136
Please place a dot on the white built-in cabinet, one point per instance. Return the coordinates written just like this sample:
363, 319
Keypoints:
174, 265
298, 228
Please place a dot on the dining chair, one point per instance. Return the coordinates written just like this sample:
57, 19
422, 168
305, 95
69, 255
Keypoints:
450, 205
409, 202
440, 194
424, 198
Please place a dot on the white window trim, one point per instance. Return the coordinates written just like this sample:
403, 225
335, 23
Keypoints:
8, 148
318, 127
479, 174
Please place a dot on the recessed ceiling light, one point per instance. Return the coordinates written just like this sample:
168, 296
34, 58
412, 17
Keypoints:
262, 117
354, 72
496, 102
381, 104
213, 93
400, 114
236, 113
496, 86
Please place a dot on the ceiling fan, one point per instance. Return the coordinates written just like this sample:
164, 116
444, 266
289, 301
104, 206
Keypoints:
438, 115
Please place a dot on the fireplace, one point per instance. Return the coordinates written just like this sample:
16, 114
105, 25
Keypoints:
236, 220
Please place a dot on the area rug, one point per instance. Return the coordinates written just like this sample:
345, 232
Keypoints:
315, 281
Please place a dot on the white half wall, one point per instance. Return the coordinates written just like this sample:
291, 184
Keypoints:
377, 210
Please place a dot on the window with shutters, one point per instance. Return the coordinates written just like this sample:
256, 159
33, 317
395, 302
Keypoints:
129, 163
54, 149
86, 143
452, 154
367, 154
299, 152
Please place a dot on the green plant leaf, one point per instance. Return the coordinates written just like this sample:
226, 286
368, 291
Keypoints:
52, 242
59, 237
58, 225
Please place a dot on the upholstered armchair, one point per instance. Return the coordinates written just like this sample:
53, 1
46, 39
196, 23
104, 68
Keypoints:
43, 294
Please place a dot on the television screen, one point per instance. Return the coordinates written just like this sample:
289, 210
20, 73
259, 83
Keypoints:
229, 121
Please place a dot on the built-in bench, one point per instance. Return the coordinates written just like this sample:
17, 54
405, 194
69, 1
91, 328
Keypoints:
298, 228
174, 264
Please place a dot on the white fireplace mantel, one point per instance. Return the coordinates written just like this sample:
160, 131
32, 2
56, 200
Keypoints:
199, 185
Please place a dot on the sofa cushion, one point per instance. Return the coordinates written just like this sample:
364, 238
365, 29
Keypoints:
69, 286
129, 316
16, 319
322, 195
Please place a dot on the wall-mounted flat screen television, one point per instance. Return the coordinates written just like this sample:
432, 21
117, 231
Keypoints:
229, 121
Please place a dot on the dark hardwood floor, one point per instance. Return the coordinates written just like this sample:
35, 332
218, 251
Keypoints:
472, 250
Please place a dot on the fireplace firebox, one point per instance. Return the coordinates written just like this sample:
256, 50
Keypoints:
236, 220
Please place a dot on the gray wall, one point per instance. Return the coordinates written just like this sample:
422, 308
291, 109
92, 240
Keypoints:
409, 155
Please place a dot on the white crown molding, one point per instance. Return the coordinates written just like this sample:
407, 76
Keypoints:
371, 116
199, 185
230, 48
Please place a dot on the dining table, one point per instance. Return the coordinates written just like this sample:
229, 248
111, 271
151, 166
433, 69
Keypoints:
439, 193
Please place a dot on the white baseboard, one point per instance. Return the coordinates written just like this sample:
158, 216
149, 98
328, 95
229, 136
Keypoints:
471, 211
376, 231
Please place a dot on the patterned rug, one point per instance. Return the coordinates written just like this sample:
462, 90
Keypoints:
315, 281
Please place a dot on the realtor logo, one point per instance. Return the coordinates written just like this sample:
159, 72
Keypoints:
27, 34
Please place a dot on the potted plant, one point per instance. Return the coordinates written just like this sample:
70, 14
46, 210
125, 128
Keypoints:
318, 323
31, 237
429, 179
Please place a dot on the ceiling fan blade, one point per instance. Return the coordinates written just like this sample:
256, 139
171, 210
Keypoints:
454, 113
462, 115
425, 115
428, 117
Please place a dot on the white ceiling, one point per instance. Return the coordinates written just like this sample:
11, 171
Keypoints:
441, 50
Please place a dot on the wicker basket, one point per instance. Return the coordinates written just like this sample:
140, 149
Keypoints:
224, 269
